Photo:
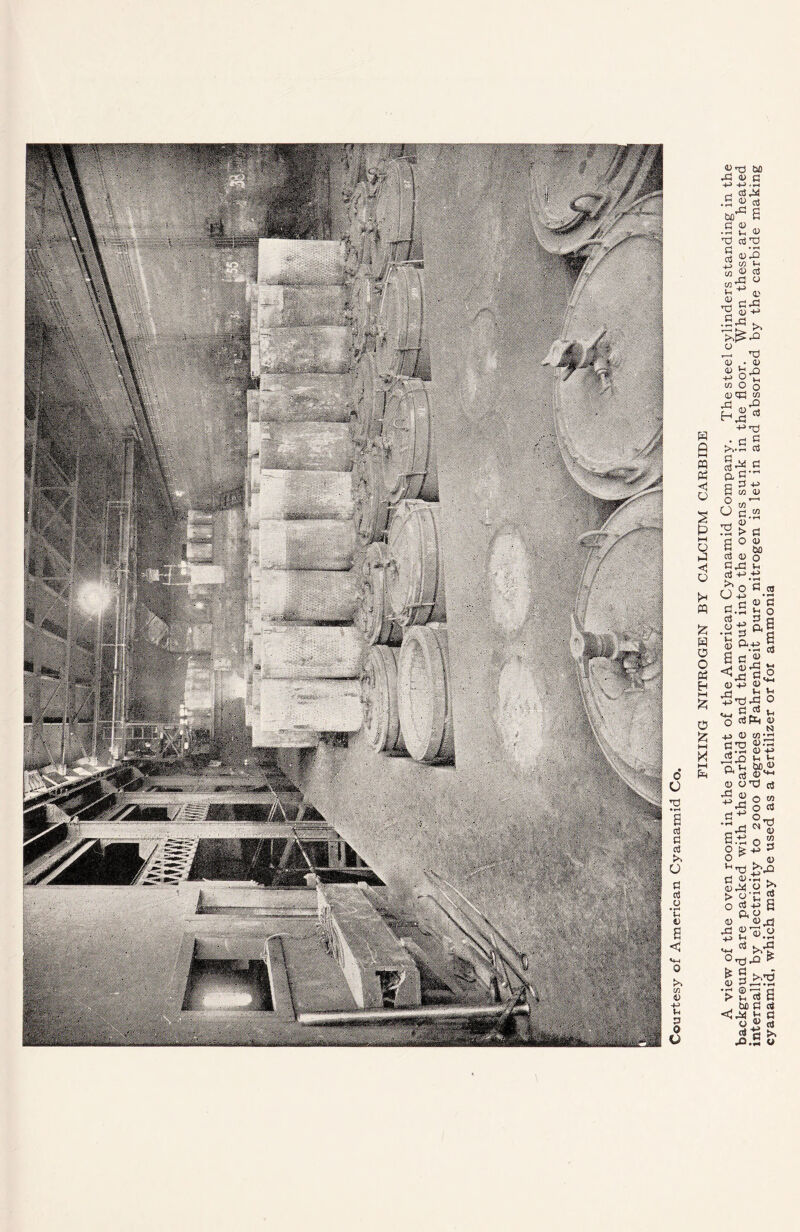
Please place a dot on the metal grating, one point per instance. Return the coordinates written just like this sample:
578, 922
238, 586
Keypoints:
172, 859
171, 862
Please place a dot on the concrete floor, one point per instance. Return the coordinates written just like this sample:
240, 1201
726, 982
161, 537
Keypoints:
531, 822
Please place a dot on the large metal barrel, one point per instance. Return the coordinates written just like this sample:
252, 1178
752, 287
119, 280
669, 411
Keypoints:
286, 397
310, 544
369, 398
300, 306
609, 414
397, 227
360, 215
379, 700
616, 640
423, 694
407, 445
300, 262
306, 494
363, 310
310, 651
401, 347
307, 595
372, 615
306, 447
371, 504
415, 588
320, 704
304, 348
574, 189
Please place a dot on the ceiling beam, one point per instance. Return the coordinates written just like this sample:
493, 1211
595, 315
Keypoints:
86, 247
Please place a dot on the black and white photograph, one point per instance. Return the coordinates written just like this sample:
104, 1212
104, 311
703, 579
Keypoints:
343, 594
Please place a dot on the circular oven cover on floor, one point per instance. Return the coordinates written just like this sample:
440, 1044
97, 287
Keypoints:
620, 592
573, 189
609, 416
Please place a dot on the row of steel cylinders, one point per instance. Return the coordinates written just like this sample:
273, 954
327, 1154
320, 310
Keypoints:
406, 693
301, 588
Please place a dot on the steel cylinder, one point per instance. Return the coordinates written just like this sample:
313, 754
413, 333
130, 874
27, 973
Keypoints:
369, 495
323, 705
307, 544
306, 446
415, 587
381, 717
360, 212
301, 262
397, 226
306, 494
424, 696
305, 348
291, 651
282, 305
401, 347
408, 453
363, 311
368, 401
308, 595
373, 617
294, 398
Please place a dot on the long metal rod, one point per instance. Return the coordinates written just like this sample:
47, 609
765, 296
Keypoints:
519, 956
34, 457
98, 639
417, 1013
66, 723
88, 252
120, 683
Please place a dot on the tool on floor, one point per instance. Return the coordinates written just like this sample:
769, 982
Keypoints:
521, 957
484, 951
504, 956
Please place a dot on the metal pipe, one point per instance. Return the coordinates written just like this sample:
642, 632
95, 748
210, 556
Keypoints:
34, 458
69, 193
66, 722
304, 854
119, 696
417, 1013
98, 638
